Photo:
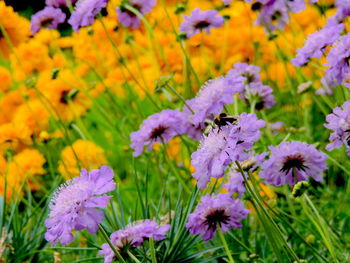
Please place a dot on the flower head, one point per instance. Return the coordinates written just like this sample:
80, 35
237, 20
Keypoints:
58, 3
74, 205
128, 18
133, 235
339, 123
200, 20
216, 211
85, 12
225, 145
291, 162
160, 127
49, 17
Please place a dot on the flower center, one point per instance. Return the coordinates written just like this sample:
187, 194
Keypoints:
216, 217
294, 161
158, 132
201, 24
46, 22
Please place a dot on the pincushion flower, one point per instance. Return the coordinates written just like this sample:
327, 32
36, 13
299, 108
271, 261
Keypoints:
75, 205
212, 97
201, 20
160, 127
292, 162
225, 145
339, 123
49, 17
317, 43
85, 12
213, 212
133, 235
128, 18
58, 3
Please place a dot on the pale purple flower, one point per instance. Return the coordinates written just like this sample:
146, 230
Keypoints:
273, 15
212, 97
133, 235
75, 205
227, 2
49, 17
292, 162
343, 10
128, 18
58, 3
317, 43
339, 123
216, 211
338, 62
250, 73
85, 12
223, 146
201, 20
158, 128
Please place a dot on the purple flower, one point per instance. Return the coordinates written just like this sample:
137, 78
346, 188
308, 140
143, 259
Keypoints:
273, 15
339, 123
58, 3
293, 157
338, 62
317, 43
227, 2
133, 235
343, 10
216, 211
223, 146
250, 73
128, 18
85, 12
213, 96
201, 20
74, 205
49, 17
160, 127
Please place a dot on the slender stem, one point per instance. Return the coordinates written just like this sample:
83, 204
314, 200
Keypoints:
153, 251
104, 233
180, 97
131, 255
223, 240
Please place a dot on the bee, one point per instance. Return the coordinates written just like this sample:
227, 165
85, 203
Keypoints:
223, 119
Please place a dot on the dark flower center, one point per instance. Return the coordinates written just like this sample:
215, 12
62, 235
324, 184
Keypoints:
259, 105
256, 6
215, 218
64, 97
46, 22
158, 132
1, 34
293, 161
276, 16
201, 24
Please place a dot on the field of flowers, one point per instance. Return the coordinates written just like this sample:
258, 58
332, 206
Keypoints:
175, 131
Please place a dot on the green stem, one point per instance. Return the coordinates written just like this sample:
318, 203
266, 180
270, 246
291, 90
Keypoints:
153, 251
223, 240
104, 233
131, 255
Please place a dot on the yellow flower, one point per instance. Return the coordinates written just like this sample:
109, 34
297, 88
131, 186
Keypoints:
9, 104
5, 79
81, 154
15, 26
14, 136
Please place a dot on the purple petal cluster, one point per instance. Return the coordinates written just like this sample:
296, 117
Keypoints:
292, 162
216, 211
133, 235
160, 127
317, 43
75, 205
254, 90
223, 146
49, 17
213, 96
343, 10
58, 3
85, 12
339, 123
201, 20
128, 18
338, 62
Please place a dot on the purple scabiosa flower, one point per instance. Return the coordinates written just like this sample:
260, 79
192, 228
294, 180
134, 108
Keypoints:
58, 3
201, 20
195, 131
49, 17
133, 235
160, 127
225, 145
74, 205
338, 62
213, 96
213, 212
250, 73
343, 10
292, 162
85, 12
317, 43
273, 15
339, 123
128, 18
